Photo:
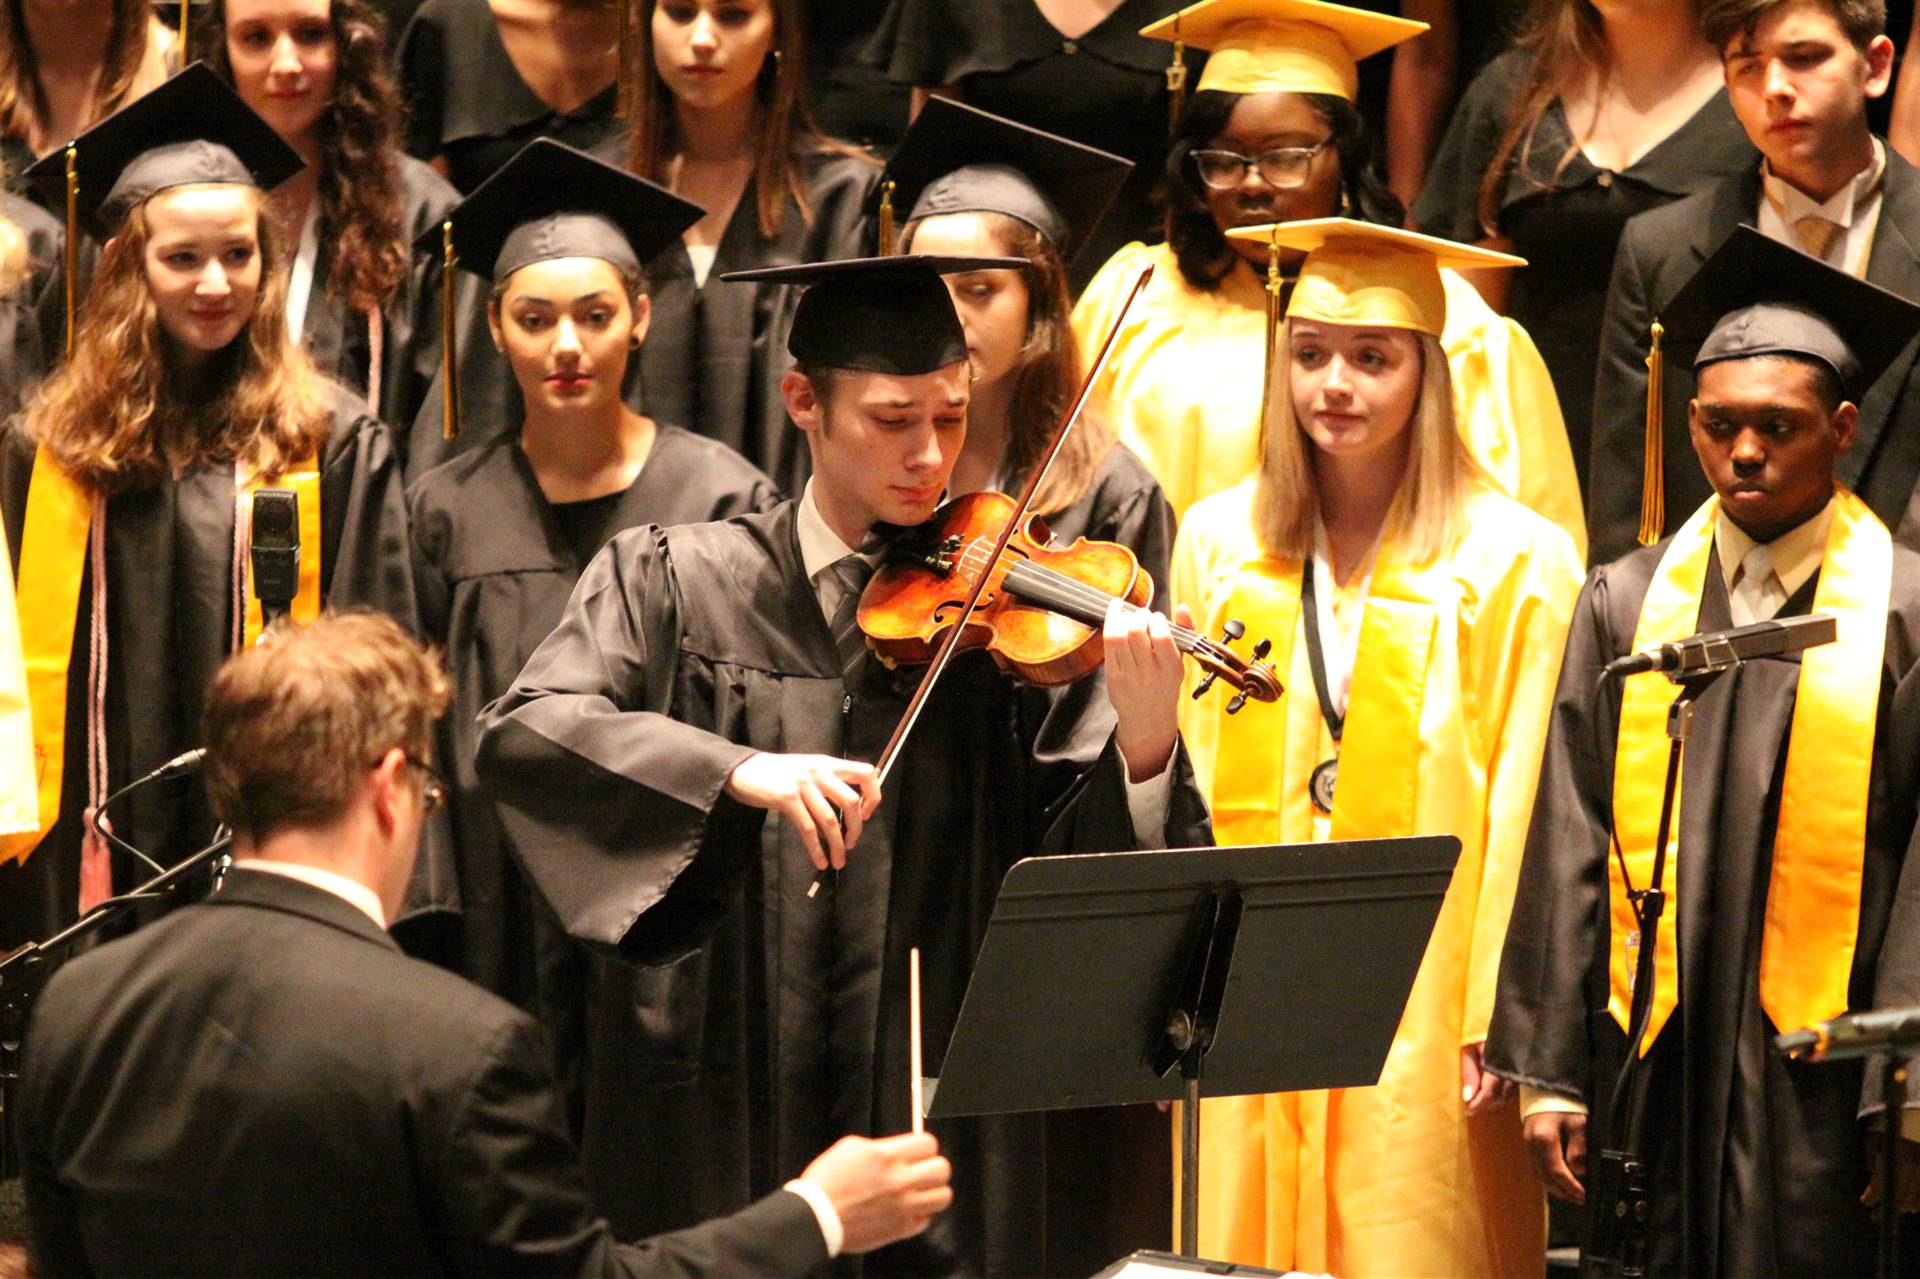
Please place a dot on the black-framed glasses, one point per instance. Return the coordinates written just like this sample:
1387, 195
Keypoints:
433, 797
1283, 167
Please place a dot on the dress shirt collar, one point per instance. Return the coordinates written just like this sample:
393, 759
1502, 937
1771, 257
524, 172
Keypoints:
1797, 553
352, 891
1846, 204
820, 547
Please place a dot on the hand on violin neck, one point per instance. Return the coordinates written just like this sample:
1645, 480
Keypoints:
827, 801
1143, 683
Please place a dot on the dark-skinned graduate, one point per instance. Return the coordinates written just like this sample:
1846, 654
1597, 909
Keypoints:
502, 533
1796, 803
675, 763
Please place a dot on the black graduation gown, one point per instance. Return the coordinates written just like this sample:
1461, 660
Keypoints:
169, 619
1757, 1163
336, 334
27, 349
749, 1025
494, 571
467, 101
715, 354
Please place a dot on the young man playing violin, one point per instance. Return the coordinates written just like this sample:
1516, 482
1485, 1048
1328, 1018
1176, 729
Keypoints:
750, 981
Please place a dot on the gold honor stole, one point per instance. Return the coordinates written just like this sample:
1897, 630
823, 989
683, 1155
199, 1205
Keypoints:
53, 561
1379, 749
1813, 894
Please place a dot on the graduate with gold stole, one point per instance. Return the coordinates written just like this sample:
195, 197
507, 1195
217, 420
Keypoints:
1796, 802
1419, 615
1272, 135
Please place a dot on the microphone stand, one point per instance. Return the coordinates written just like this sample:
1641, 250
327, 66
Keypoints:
1619, 1204
24, 972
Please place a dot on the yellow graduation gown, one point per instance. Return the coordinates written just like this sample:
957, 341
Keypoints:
19, 785
1451, 692
1183, 386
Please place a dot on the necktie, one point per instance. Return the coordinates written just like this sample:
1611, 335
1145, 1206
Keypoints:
1816, 234
1756, 594
851, 574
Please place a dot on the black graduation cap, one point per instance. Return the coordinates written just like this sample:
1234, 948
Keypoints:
192, 129
960, 159
1756, 296
878, 315
551, 201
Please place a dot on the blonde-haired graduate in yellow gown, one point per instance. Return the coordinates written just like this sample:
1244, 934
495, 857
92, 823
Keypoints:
1418, 616
1272, 135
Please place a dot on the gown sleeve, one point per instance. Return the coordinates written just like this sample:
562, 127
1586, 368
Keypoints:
607, 797
1540, 1032
368, 558
1518, 640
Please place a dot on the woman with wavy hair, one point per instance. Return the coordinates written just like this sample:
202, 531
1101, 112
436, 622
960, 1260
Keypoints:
129, 483
1417, 616
366, 310
719, 117
1272, 136
1599, 113
64, 66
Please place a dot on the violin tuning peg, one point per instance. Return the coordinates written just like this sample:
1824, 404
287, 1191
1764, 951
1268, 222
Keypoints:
1233, 629
1200, 689
1261, 650
1239, 700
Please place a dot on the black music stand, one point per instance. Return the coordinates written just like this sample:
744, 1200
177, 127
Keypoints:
1108, 979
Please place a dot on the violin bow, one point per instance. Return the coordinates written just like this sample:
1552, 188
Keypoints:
945, 652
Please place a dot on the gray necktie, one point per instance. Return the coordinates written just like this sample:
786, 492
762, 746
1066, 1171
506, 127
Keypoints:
851, 574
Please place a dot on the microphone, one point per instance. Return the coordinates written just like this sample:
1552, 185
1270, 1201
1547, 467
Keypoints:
179, 766
1723, 650
274, 545
1854, 1035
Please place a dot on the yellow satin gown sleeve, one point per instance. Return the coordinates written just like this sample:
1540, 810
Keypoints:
1394, 1179
19, 802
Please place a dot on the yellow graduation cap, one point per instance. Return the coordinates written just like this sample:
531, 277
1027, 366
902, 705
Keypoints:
1283, 46
1360, 273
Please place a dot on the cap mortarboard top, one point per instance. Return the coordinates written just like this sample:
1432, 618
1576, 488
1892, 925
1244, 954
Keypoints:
552, 201
1283, 46
879, 315
960, 159
193, 129
1359, 273
1756, 296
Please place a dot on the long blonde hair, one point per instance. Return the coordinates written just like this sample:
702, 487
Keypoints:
115, 420
1429, 513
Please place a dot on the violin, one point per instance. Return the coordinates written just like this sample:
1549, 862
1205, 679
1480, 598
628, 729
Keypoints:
1041, 612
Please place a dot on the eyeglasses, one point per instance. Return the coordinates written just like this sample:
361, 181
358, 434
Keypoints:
434, 797
1283, 167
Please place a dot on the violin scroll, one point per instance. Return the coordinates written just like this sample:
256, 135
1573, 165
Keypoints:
1250, 678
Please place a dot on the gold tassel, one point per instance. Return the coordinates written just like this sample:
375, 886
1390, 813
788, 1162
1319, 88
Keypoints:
1653, 482
1275, 286
886, 218
185, 55
1176, 80
73, 238
449, 381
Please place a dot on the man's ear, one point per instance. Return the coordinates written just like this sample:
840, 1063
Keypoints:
1880, 60
388, 780
1846, 427
803, 401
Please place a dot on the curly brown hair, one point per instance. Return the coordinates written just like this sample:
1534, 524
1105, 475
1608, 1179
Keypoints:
114, 418
361, 213
787, 129
23, 105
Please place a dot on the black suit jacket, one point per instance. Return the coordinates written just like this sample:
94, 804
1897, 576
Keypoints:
263, 1084
1658, 254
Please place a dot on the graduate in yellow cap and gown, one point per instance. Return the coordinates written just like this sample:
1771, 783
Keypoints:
1272, 136
1791, 894
1417, 614
126, 484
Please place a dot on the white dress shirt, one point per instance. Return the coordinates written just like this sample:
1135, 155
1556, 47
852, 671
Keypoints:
351, 891
1854, 210
821, 548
